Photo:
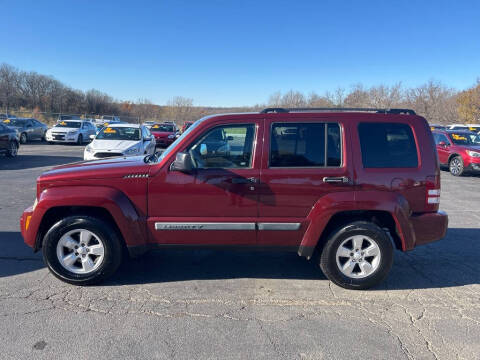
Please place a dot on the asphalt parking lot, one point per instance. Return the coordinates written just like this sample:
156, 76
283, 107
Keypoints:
229, 305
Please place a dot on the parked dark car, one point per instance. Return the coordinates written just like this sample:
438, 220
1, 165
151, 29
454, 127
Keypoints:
9, 142
29, 129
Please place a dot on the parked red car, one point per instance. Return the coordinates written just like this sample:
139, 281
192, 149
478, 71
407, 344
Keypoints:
165, 134
459, 150
349, 186
186, 125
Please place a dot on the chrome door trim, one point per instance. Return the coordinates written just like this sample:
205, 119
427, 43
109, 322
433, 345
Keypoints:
279, 226
203, 226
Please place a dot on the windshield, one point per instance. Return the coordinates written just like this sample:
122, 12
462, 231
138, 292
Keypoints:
14, 122
69, 124
162, 127
119, 133
188, 131
465, 139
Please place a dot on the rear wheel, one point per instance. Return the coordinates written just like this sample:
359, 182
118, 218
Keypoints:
456, 166
357, 256
23, 138
82, 250
12, 149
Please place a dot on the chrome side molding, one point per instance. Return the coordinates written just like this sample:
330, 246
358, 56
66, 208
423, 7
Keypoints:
203, 226
279, 226
226, 226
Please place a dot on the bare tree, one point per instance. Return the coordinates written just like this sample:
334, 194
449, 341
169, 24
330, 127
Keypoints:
179, 109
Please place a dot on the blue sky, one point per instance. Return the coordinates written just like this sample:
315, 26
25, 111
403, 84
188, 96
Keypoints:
233, 53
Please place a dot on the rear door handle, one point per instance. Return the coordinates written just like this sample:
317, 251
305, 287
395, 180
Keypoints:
240, 180
333, 179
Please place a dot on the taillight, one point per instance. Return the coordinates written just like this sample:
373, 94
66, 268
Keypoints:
432, 193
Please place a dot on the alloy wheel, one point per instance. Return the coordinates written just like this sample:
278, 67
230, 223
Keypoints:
455, 166
80, 251
358, 256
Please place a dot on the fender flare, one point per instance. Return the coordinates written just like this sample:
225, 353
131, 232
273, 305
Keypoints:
132, 226
334, 203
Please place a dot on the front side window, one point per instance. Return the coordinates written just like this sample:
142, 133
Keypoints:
387, 145
224, 147
305, 145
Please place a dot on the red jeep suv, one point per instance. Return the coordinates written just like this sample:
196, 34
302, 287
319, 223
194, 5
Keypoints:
459, 150
346, 185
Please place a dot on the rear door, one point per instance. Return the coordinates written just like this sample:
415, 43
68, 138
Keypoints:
305, 159
4, 137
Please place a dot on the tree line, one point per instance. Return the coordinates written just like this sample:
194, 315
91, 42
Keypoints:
39, 93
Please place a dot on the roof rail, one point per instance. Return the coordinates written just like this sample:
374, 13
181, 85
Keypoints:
333, 109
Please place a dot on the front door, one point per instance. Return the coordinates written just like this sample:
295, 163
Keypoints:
442, 150
215, 204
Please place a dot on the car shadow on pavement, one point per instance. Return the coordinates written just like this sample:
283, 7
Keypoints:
446, 263
34, 161
15, 257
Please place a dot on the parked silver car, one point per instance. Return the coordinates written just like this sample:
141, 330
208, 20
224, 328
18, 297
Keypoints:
71, 131
29, 129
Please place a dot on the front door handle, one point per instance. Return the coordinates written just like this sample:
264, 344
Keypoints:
333, 179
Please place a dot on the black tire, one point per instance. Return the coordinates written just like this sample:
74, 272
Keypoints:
23, 138
12, 149
112, 249
80, 139
328, 257
44, 136
455, 166
51, 142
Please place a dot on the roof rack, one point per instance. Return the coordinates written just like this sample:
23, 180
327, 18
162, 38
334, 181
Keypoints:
333, 109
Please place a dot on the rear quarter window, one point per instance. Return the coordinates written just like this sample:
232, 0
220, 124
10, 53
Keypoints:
387, 145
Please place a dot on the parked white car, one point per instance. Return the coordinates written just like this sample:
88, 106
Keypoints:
120, 140
70, 131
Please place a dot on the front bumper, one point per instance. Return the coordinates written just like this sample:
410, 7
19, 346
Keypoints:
61, 138
163, 142
29, 226
429, 227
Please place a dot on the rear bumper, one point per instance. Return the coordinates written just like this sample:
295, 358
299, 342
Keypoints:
429, 227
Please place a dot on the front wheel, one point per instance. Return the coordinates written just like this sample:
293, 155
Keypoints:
82, 250
456, 166
357, 256
23, 138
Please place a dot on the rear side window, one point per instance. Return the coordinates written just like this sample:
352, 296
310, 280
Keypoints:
387, 145
305, 145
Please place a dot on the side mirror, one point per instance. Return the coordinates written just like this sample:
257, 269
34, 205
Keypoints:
182, 163
203, 149
145, 139
92, 137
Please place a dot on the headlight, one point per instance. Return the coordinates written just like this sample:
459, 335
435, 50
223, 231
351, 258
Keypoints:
473, 153
132, 150
88, 149
171, 136
35, 204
